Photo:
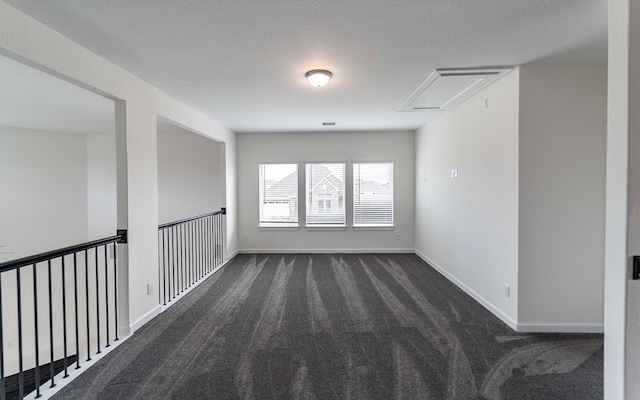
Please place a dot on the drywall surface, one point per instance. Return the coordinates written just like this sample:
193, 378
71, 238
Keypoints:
467, 226
29, 41
563, 113
255, 149
188, 176
101, 186
43, 191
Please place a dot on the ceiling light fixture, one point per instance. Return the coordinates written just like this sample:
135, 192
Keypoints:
318, 77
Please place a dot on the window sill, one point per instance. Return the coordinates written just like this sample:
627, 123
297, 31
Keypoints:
278, 227
373, 227
326, 227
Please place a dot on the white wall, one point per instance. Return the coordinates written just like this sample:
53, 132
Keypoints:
189, 181
138, 107
101, 186
43, 191
467, 227
396, 147
562, 195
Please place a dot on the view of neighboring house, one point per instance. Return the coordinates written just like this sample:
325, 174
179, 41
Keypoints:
325, 197
280, 202
325, 192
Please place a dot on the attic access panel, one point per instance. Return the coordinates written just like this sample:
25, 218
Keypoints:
447, 87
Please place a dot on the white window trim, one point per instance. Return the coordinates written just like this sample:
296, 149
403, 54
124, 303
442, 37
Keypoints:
279, 225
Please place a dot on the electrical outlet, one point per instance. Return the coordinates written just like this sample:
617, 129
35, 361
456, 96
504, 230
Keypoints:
398, 236
507, 290
246, 237
454, 173
149, 287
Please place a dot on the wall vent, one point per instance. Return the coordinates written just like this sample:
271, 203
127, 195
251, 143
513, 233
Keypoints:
447, 87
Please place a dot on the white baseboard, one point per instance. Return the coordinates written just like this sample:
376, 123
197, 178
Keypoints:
231, 255
525, 327
322, 251
486, 304
528, 327
146, 318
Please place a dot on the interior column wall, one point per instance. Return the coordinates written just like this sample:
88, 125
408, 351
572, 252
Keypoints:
562, 159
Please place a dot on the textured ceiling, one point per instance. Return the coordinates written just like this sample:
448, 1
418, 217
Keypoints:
243, 62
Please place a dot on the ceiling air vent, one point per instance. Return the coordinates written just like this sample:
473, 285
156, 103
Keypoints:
446, 87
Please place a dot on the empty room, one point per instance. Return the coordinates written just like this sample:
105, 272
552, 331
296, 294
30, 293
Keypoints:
299, 200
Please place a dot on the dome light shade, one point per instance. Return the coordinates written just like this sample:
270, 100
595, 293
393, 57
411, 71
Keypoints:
318, 77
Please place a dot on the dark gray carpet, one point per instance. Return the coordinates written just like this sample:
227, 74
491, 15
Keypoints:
340, 326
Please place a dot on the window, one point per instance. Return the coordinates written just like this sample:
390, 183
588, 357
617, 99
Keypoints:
278, 194
373, 194
325, 189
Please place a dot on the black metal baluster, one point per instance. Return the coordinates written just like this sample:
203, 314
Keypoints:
178, 263
222, 237
180, 245
51, 363
219, 238
174, 260
97, 301
115, 287
106, 290
205, 256
75, 306
215, 240
203, 249
172, 240
86, 287
190, 248
209, 248
214, 236
160, 265
20, 361
35, 316
3, 395
165, 266
195, 251
64, 316
199, 249
167, 278
176, 256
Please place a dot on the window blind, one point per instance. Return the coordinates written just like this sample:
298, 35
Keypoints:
278, 193
372, 194
325, 190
